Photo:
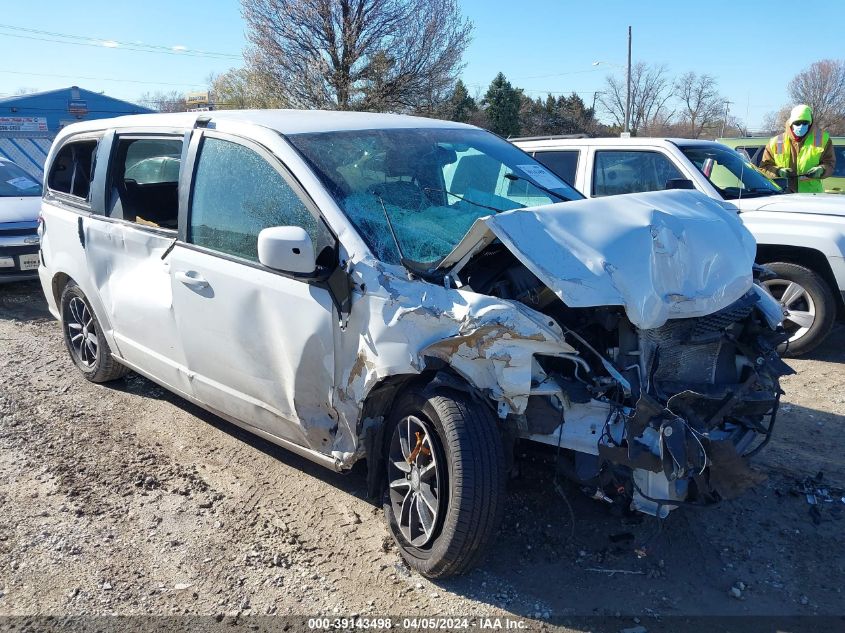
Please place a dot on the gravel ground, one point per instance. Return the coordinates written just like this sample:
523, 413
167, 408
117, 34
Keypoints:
124, 499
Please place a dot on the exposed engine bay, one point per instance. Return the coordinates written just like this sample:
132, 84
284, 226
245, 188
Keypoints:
651, 418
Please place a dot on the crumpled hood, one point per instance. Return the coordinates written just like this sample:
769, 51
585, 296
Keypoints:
661, 255
818, 203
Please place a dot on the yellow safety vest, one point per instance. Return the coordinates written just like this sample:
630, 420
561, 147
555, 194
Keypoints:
809, 156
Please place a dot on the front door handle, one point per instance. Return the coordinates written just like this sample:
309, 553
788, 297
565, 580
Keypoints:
192, 279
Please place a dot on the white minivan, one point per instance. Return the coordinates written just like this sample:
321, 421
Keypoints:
420, 294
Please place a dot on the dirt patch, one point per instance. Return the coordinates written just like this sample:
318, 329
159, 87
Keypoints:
132, 501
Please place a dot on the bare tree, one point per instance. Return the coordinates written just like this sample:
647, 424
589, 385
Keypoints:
701, 104
651, 91
357, 54
173, 101
243, 88
822, 87
774, 122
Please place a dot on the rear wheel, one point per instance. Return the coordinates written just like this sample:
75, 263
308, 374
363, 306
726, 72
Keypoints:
445, 474
808, 304
83, 338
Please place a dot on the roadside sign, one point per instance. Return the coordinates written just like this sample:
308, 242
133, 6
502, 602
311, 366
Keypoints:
23, 124
79, 107
196, 98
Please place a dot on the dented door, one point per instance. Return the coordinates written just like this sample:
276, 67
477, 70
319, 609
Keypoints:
259, 345
133, 283
127, 268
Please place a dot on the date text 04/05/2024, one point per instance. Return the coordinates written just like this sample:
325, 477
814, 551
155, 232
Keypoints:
415, 623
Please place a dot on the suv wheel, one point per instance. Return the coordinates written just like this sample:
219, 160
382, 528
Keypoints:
445, 481
83, 339
808, 304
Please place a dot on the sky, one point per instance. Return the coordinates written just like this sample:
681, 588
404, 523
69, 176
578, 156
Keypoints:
752, 48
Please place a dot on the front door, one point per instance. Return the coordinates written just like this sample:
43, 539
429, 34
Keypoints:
259, 344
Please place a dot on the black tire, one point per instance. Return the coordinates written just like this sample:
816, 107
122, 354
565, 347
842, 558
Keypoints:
91, 355
470, 489
823, 303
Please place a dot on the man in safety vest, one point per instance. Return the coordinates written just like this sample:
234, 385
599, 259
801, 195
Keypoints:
803, 154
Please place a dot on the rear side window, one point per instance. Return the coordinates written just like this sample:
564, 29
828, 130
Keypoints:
144, 184
616, 172
73, 169
237, 194
563, 163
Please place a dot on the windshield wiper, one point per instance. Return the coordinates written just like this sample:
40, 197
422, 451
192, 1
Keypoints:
540, 187
411, 267
756, 192
392, 231
463, 199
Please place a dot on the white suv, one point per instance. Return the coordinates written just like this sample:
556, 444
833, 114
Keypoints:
800, 237
405, 290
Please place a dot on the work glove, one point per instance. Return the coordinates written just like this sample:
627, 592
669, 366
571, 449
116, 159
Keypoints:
785, 172
815, 172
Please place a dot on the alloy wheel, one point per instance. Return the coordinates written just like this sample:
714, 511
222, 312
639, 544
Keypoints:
82, 332
415, 480
799, 309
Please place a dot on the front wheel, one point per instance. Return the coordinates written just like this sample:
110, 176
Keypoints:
808, 304
445, 481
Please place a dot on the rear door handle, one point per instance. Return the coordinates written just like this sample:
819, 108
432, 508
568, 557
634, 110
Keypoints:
192, 279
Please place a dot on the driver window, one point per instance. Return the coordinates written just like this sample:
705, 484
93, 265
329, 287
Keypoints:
616, 172
236, 194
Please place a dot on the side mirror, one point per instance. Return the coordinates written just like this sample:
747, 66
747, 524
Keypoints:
287, 248
680, 183
783, 183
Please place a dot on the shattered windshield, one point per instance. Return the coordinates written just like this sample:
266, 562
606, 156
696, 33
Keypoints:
423, 188
733, 175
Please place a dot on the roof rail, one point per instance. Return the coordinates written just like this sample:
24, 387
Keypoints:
202, 120
551, 137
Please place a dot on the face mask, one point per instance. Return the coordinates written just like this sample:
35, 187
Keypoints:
800, 130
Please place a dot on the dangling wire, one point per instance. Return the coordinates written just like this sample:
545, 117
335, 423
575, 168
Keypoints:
557, 485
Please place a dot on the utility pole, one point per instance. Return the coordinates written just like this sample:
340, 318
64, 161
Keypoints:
627, 127
725, 120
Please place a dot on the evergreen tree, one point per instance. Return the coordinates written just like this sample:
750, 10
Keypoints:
503, 104
460, 106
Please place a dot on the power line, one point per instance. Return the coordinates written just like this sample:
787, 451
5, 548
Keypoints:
130, 81
574, 72
541, 91
80, 40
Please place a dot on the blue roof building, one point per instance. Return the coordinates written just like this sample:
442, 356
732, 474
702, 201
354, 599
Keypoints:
29, 123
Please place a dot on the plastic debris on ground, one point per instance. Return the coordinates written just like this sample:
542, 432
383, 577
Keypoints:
821, 498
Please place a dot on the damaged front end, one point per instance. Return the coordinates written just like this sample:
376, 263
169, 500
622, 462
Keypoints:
697, 397
674, 382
